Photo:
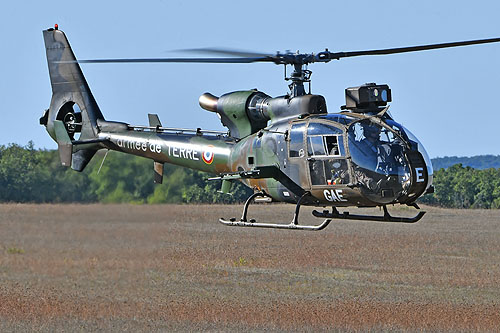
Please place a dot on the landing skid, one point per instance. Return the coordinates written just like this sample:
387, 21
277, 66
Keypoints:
335, 214
243, 222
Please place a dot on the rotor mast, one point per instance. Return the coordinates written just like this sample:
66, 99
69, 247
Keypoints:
300, 73
298, 77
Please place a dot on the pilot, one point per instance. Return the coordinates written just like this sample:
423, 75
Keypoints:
376, 151
371, 133
369, 145
382, 152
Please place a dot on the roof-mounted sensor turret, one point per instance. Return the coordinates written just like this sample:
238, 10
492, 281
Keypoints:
367, 97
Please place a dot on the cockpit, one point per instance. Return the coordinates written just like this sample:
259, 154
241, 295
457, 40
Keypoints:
387, 160
380, 157
379, 163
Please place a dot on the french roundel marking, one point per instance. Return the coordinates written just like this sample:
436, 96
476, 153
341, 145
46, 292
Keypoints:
208, 155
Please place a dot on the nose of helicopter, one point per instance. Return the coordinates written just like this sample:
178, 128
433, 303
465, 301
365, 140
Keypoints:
389, 166
403, 184
385, 189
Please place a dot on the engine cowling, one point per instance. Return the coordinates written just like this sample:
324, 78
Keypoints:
247, 112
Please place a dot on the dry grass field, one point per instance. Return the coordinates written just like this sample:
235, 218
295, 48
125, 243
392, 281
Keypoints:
174, 267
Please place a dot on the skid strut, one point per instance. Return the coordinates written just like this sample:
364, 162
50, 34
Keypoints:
243, 222
335, 214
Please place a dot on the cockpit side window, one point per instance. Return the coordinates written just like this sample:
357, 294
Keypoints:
324, 140
316, 146
329, 166
325, 145
329, 171
322, 129
335, 145
296, 145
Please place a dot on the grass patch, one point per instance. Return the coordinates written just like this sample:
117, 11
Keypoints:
15, 250
241, 261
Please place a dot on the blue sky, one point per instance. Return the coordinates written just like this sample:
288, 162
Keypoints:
448, 98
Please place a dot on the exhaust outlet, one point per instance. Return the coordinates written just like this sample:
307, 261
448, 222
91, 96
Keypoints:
208, 102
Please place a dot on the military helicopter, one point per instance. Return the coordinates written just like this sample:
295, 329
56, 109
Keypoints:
286, 148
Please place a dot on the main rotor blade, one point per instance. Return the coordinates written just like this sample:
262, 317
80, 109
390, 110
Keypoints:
229, 52
176, 60
288, 58
338, 55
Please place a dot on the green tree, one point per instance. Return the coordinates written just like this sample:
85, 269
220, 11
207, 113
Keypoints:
121, 178
465, 187
18, 172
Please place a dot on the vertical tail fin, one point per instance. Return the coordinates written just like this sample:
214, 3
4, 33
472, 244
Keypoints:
72, 101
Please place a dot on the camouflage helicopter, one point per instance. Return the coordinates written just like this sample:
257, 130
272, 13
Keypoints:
287, 148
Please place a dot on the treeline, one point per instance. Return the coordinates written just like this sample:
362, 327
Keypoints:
477, 162
465, 187
31, 175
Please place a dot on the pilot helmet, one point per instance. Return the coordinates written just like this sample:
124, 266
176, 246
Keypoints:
371, 130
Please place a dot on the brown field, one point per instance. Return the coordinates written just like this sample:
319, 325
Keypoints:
173, 267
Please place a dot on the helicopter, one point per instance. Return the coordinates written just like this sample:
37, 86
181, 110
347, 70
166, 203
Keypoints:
287, 148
